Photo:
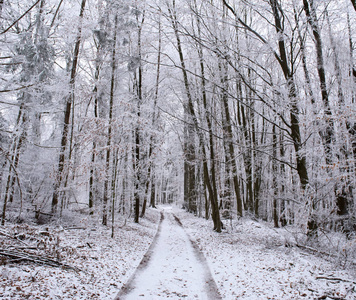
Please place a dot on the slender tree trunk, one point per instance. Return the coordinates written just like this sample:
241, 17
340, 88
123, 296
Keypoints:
328, 135
215, 212
137, 165
153, 192
231, 150
96, 115
67, 115
207, 203
150, 174
284, 203
111, 108
189, 136
274, 178
228, 138
14, 158
113, 194
292, 95
227, 127
193, 118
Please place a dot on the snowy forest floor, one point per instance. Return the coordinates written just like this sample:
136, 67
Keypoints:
253, 260
248, 260
104, 264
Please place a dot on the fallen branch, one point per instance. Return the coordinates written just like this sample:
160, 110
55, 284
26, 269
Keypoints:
335, 279
12, 237
329, 297
324, 253
19, 256
25, 248
315, 250
74, 228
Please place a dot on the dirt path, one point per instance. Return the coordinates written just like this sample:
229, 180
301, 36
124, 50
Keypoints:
173, 268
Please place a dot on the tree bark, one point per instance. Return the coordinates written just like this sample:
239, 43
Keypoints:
109, 138
193, 118
137, 166
67, 114
354, 4
14, 159
328, 135
274, 178
150, 175
292, 93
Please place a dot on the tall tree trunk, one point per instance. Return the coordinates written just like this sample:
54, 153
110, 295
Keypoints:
111, 108
92, 190
67, 115
150, 175
194, 120
282, 174
113, 193
274, 178
216, 212
231, 152
328, 135
190, 198
292, 92
137, 165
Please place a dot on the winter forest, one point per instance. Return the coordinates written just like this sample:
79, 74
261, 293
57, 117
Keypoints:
234, 111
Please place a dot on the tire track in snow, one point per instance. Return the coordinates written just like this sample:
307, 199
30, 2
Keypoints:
172, 268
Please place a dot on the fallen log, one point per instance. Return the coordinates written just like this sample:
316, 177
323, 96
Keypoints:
23, 256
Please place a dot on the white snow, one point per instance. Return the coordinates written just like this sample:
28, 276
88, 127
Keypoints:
173, 271
251, 261
248, 260
105, 263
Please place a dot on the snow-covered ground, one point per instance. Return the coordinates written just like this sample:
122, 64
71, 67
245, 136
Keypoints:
174, 270
105, 264
248, 260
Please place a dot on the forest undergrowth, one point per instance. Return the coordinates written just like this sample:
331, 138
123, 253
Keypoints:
75, 260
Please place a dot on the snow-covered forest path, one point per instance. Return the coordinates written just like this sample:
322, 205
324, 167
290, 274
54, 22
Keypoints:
172, 268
